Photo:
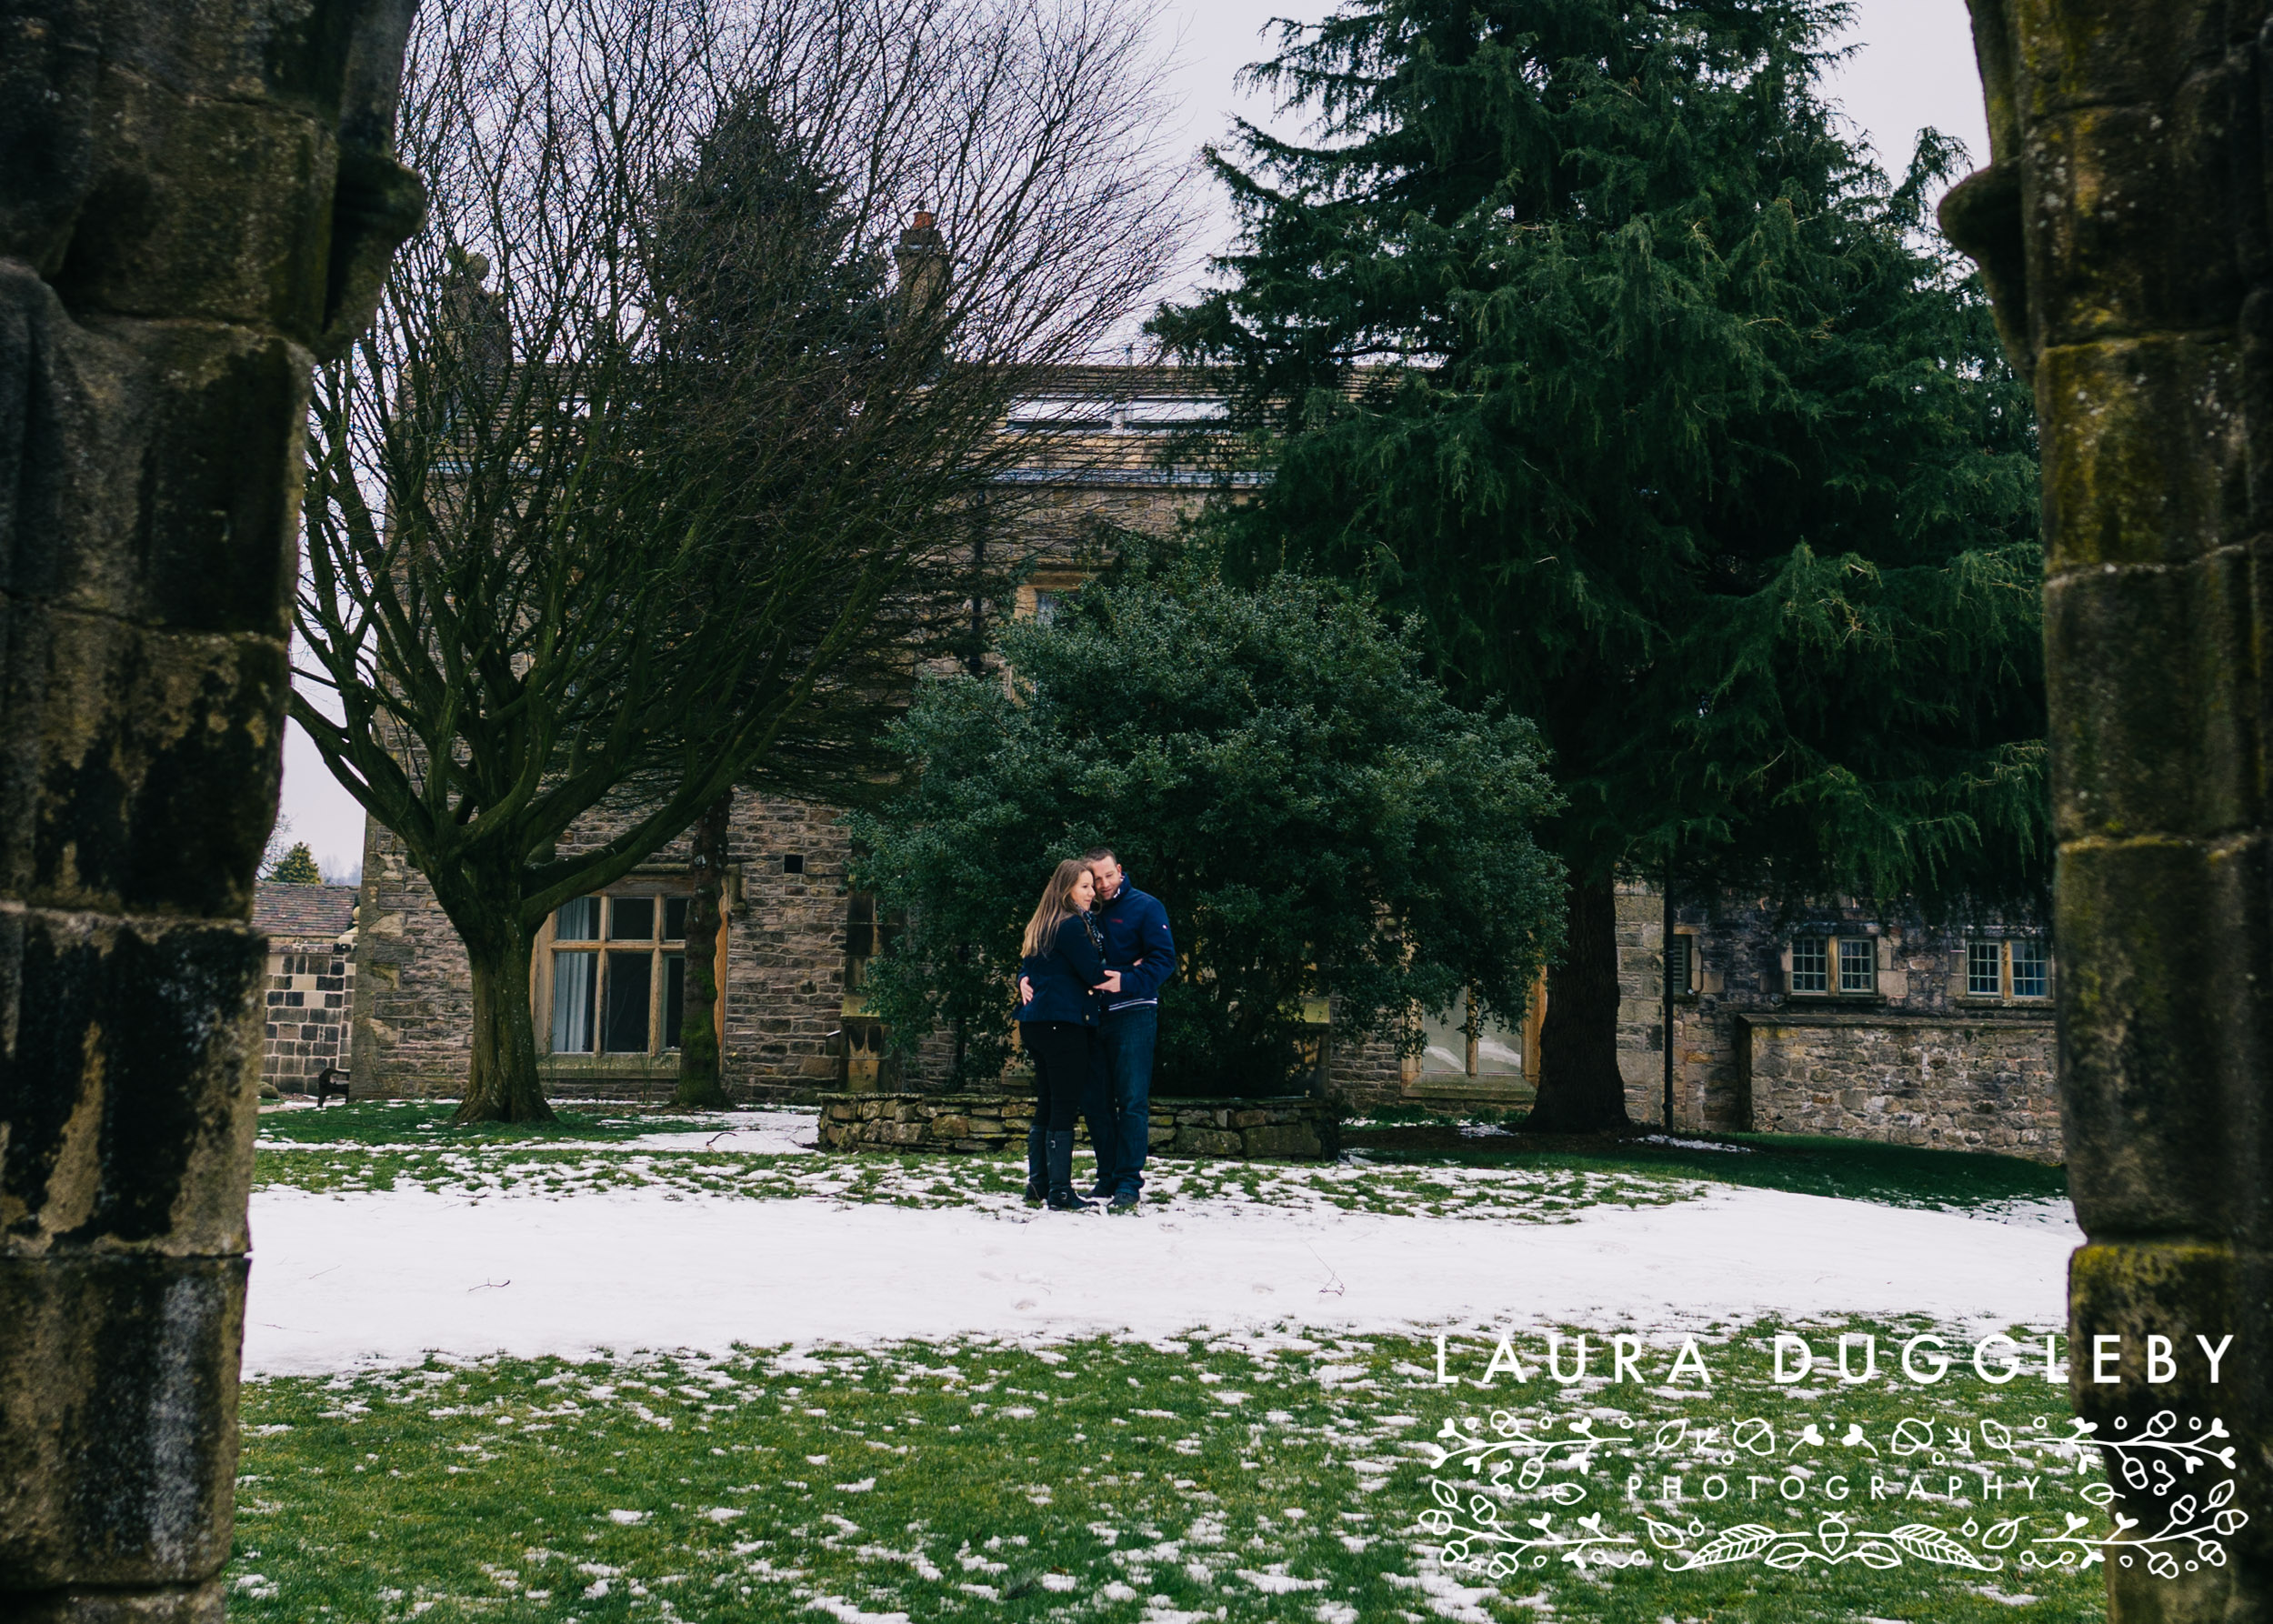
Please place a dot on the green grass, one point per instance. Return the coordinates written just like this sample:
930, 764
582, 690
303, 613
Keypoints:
1125, 1482
1509, 1195
1427, 1168
1855, 1169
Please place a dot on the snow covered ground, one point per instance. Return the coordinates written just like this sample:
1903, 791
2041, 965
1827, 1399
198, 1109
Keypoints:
342, 1280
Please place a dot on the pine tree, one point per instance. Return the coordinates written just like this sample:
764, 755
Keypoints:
296, 867
1583, 330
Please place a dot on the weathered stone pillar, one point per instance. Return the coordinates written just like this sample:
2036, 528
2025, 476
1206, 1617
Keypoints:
2122, 227
195, 200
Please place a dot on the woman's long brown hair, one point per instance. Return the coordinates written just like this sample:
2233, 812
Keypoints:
1055, 906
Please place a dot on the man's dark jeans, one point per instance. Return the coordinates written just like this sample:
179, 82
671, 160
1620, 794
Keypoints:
1127, 1037
1096, 1110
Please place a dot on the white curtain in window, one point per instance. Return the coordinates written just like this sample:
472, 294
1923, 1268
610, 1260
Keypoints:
574, 979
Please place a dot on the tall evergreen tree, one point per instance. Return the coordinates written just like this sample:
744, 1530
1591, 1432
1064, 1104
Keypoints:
1582, 327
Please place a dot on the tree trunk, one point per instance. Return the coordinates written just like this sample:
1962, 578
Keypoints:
699, 1082
502, 1085
1580, 1090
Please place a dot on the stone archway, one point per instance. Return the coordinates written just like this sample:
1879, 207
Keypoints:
195, 203
2123, 230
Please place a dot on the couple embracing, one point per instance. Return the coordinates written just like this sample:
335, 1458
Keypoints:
1096, 953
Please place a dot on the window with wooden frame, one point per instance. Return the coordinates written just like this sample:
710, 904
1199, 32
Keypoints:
860, 1041
2007, 970
1859, 965
611, 972
1831, 966
868, 931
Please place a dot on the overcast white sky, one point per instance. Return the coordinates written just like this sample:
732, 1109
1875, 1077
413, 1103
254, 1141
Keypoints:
1913, 66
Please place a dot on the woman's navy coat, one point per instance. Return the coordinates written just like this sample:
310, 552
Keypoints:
1063, 977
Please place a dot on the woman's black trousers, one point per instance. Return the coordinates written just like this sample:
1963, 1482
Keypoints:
1061, 1065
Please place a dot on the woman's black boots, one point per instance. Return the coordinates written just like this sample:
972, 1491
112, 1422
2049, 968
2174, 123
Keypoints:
1037, 1172
1060, 1148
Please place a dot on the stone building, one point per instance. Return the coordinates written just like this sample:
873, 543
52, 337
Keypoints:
795, 938
311, 932
1833, 1019
1843, 1020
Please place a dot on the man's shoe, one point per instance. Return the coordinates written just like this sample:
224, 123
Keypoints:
1062, 1199
1124, 1200
1102, 1190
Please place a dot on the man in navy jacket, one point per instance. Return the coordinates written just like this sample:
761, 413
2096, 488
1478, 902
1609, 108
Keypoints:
1137, 944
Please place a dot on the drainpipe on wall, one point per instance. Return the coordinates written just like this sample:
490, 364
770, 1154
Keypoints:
1665, 984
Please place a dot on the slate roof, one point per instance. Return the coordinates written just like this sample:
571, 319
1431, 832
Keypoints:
302, 912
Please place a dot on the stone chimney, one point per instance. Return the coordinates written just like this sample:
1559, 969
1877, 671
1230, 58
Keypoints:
921, 259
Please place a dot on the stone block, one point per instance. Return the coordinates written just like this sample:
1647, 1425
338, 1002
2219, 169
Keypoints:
2085, 51
2159, 986
129, 1104
117, 1418
1284, 1142
2117, 248
1208, 1141
203, 542
954, 1127
2154, 727
2176, 1290
184, 1604
1247, 1119
157, 776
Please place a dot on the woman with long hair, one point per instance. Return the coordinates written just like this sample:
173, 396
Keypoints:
1065, 966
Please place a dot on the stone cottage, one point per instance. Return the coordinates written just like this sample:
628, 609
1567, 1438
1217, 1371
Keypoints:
1834, 1019
311, 932
1842, 1019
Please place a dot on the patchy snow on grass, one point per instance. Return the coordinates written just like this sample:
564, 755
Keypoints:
758, 1133
347, 1280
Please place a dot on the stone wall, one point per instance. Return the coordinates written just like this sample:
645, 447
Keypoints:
413, 1032
1363, 1074
1277, 1129
309, 996
1742, 950
784, 973
1641, 1015
1943, 1083
311, 990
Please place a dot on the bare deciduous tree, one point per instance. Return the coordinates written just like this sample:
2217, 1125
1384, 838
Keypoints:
654, 476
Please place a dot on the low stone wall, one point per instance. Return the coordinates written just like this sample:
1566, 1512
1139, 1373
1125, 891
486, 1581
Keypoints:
1943, 1083
1287, 1128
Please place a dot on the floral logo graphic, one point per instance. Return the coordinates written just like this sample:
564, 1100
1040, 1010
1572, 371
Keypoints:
1517, 1458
